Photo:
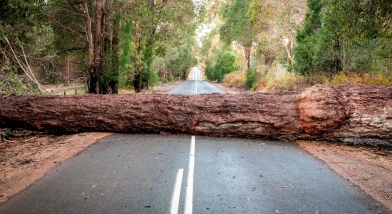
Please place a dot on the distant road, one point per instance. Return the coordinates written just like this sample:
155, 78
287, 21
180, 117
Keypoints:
195, 85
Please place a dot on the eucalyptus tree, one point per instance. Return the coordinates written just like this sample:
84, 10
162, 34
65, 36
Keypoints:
237, 27
82, 27
344, 35
157, 24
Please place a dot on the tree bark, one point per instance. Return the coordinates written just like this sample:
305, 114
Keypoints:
247, 56
112, 45
356, 114
289, 51
95, 38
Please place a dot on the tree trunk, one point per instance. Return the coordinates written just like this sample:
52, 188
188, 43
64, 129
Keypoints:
137, 78
357, 114
247, 57
289, 51
95, 38
113, 70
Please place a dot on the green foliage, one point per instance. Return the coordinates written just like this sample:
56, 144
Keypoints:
125, 54
158, 29
11, 83
13, 12
209, 71
224, 65
184, 62
306, 47
237, 25
202, 14
153, 78
344, 35
251, 79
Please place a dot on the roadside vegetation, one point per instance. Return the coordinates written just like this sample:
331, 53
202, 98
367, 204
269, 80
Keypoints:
257, 45
288, 45
107, 45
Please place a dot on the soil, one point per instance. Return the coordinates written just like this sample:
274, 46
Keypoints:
23, 160
163, 88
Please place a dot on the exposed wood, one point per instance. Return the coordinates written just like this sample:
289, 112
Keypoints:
347, 113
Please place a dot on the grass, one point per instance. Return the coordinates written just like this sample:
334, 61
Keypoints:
376, 78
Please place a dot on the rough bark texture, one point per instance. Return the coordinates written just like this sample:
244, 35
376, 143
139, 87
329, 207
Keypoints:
355, 114
95, 38
352, 114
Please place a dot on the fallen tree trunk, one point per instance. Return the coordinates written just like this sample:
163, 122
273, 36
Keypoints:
351, 113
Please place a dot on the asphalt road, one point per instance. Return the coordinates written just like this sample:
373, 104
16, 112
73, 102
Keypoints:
195, 86
191, 174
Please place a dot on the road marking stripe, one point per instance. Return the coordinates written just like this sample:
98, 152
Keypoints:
189, 188
196, 87
176, 193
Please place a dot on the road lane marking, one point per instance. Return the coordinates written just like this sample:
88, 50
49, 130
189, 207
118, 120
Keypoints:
189, 188
196, 87
176, 193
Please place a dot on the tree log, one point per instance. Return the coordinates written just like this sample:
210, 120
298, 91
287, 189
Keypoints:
356, 114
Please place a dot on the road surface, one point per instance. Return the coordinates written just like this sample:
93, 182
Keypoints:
144, 173
195, 86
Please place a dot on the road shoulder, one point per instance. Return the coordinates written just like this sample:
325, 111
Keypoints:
25, 160
368, 168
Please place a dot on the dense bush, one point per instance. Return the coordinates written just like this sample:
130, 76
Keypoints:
224, 65
11, 83
251, 79
333, 40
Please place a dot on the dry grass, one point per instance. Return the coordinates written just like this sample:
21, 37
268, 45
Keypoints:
278, 79
361, 78
286, 82
235, 79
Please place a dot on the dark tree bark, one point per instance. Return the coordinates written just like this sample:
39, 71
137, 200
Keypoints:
247, 51
112, 45
358, 114
95, 38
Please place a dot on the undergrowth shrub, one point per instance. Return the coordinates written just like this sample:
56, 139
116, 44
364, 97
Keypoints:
224, 65
11, 83
252, 77
287, 82
235, 79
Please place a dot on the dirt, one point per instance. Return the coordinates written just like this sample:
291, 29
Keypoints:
163, 88
24, 160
